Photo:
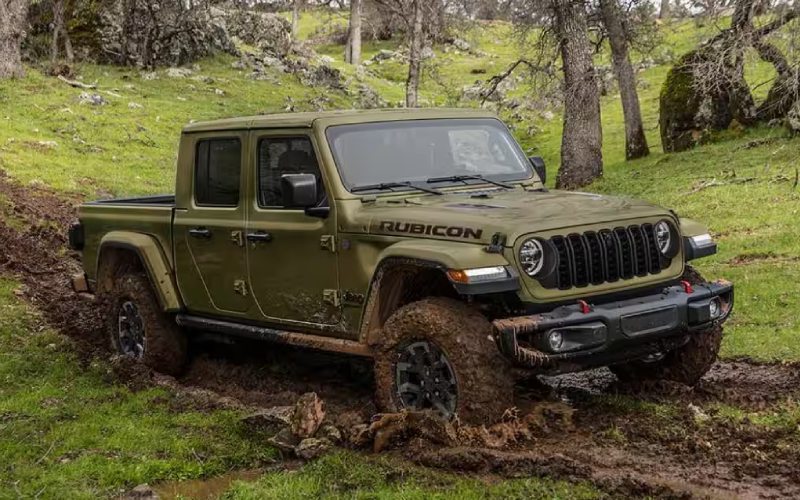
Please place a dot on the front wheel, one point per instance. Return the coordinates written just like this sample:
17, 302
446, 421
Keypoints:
139, 329
686, 364
438, 354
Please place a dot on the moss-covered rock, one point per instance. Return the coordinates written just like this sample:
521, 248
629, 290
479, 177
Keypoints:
690, 110
678, 106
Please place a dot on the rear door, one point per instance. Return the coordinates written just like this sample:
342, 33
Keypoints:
209, 227
291, 255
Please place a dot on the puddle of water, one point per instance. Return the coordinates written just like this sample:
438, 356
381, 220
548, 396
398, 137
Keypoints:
204, 489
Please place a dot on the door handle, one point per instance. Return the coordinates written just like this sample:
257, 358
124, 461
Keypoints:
259, 237
200, 232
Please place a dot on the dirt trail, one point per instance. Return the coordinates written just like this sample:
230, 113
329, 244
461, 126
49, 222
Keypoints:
575, 435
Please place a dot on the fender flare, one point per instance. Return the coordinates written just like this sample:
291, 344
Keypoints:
691, 250
423, 254
447, 254
153, 260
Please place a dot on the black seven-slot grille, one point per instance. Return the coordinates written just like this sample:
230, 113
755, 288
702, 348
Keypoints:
605, 256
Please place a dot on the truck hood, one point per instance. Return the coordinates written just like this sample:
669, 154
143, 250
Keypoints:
475, 216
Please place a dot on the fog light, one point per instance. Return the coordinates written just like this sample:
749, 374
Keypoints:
556, 340
715, 308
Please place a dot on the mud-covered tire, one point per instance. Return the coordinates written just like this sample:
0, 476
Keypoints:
484, 379
686, 364
165, 345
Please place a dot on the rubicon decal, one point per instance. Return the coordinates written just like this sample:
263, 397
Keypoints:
431, 230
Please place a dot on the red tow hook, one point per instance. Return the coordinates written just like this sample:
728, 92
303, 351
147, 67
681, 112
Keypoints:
687, 287
585, 307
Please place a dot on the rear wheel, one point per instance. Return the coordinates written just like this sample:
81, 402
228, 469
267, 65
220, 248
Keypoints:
438, 354
139, 329
686, 364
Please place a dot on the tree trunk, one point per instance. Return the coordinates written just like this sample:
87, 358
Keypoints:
13, 15
295, 18
582, 139
786, 89
414, 56
68, 46
635, 140
664, 12
60, 30
353, 49
58, 22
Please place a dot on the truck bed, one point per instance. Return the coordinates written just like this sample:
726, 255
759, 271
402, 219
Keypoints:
150, 215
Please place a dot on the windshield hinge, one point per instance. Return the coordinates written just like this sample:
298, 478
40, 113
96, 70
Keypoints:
497, 245
532, 186
328, 242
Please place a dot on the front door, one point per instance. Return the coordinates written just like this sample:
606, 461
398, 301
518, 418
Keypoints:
291, 256
209, 229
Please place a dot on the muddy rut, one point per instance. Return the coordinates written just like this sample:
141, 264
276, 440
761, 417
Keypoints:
570, 427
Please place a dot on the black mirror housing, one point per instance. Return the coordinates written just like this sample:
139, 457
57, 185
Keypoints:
299, 190
539, 167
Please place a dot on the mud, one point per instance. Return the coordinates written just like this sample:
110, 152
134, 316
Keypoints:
33, 231
571, 427
762, 257
204, 489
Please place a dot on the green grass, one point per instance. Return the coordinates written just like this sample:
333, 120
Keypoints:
69, 432
349, 475
785, 417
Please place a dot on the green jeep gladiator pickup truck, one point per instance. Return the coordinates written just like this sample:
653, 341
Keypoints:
424, 239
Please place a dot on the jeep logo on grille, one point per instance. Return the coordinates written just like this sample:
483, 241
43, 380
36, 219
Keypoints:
431, 230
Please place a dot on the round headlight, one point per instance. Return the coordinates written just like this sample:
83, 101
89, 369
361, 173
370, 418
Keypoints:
663, 237
531, 257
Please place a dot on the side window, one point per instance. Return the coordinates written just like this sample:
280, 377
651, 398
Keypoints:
281, 156
217, 170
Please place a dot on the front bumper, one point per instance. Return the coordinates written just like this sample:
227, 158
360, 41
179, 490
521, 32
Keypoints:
612, 332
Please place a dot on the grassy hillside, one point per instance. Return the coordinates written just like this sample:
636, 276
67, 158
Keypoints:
744, 187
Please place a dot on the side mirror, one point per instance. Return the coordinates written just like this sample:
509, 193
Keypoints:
299, 190
538, 166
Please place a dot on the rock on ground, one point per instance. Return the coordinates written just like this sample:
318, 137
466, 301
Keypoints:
141, 492
178, 72
329, 432
793, 118
308, 415
311, 448
269, 33
368, 98
93, 99
277, 416
284, 440
461, 44
159, 33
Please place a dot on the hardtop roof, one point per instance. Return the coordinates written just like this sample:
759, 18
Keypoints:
307, 119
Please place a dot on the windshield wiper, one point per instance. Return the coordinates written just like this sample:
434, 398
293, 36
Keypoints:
389, 185
461, 178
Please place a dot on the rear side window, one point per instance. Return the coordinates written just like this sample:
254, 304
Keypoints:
217, 170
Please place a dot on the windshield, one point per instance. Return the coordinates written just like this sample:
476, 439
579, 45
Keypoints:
418, 151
